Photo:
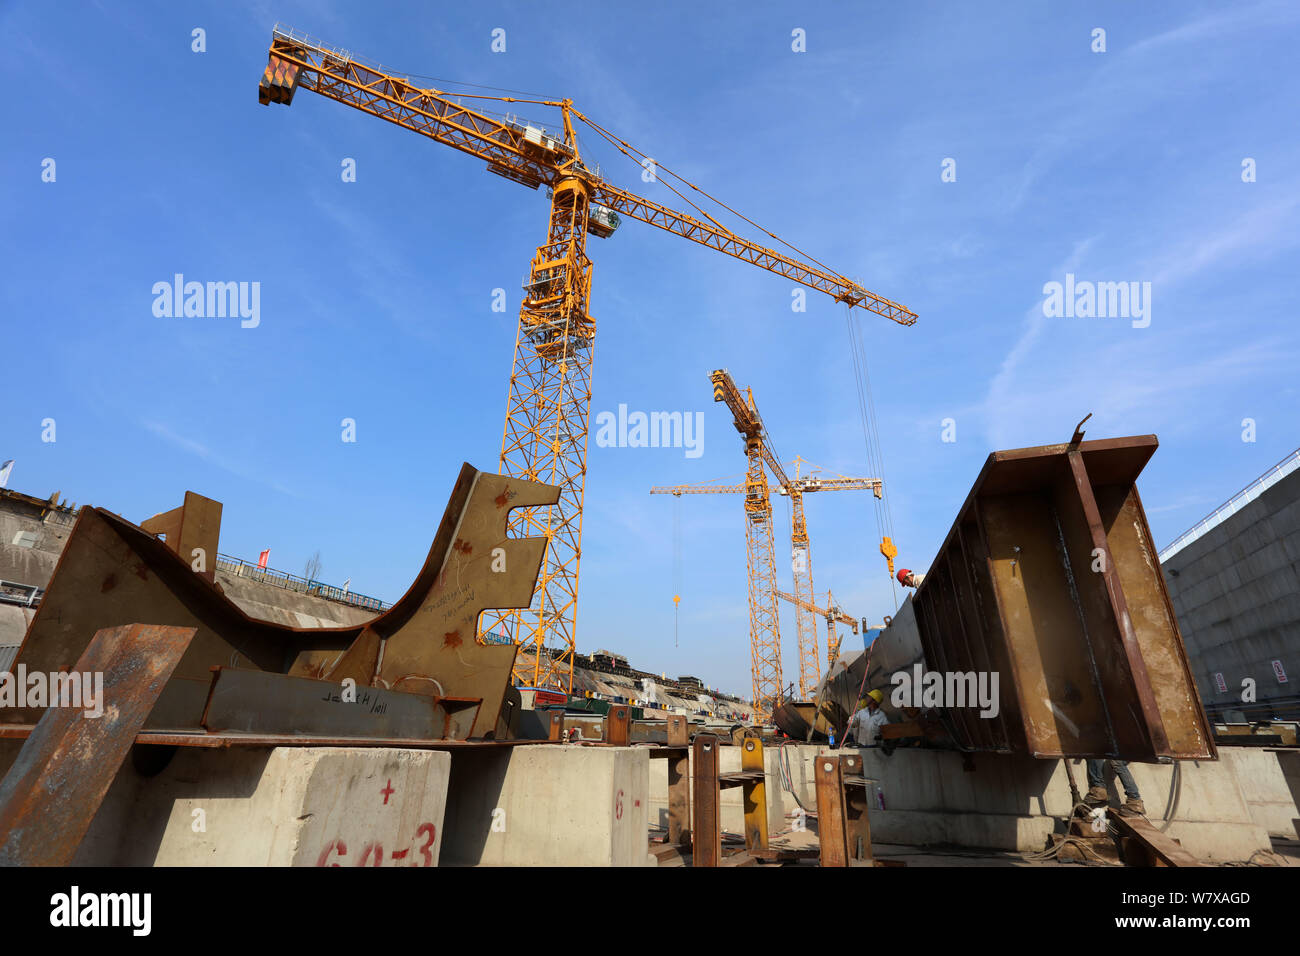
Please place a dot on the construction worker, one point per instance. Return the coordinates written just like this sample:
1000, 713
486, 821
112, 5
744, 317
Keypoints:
864, 725
1097, 796
910, 579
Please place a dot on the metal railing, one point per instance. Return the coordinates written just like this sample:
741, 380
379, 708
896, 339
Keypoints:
1234, 504
27, 595
294, 582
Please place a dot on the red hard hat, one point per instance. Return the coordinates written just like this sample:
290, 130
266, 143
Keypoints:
902, 575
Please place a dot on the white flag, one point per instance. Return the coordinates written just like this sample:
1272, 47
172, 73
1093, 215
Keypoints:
346, 585
4, 472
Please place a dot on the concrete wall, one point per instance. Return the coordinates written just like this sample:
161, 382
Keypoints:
36, 565
548, 806
1014, 802
286, 806
1221, 810
13, 625
1236, 592
290, 608
32, 565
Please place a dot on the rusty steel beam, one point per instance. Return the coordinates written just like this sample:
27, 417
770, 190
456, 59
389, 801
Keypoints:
706, 818
615, 731
255, 702
1144, 845
112, 570
843, 826
227, 740
1049, 577
857, 824
831, 835
193, 531
59, 778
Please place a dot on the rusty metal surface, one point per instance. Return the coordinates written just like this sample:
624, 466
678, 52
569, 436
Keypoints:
226, 740
1144, 845
706, 819
59, 778
193, 531
1049, 577
833, 704
843, 826
831, 835
111, 570
253, 702
857, 824
617, 726
676, 732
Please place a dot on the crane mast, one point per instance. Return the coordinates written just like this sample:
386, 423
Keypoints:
548, 402
801, 570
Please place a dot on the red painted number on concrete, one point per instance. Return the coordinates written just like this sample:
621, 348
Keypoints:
325, 853
427, 850
618, 806
372, 854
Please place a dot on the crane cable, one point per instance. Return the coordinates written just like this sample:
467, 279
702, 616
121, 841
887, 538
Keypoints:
623, 147
677, 562
870, 433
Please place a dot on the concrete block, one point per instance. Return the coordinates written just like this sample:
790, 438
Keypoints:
284, 806
1265, 787
548, 805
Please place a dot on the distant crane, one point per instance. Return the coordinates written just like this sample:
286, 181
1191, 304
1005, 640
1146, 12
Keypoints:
809, 676
801, 563
833, 615
548, 402
764, 621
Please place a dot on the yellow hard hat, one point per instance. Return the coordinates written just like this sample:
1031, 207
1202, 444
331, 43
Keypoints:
877, 696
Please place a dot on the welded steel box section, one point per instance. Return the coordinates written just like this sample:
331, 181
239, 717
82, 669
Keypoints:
1050, 578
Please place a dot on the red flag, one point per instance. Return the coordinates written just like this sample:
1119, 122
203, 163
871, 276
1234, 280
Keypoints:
263, 558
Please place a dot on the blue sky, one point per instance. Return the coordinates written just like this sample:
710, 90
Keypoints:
376, 295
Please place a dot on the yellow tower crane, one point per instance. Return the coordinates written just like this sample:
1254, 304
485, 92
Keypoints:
764, 626
833, 614
760, 637
801, 563
548, 401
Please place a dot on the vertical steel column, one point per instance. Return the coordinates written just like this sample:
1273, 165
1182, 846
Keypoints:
706, 824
